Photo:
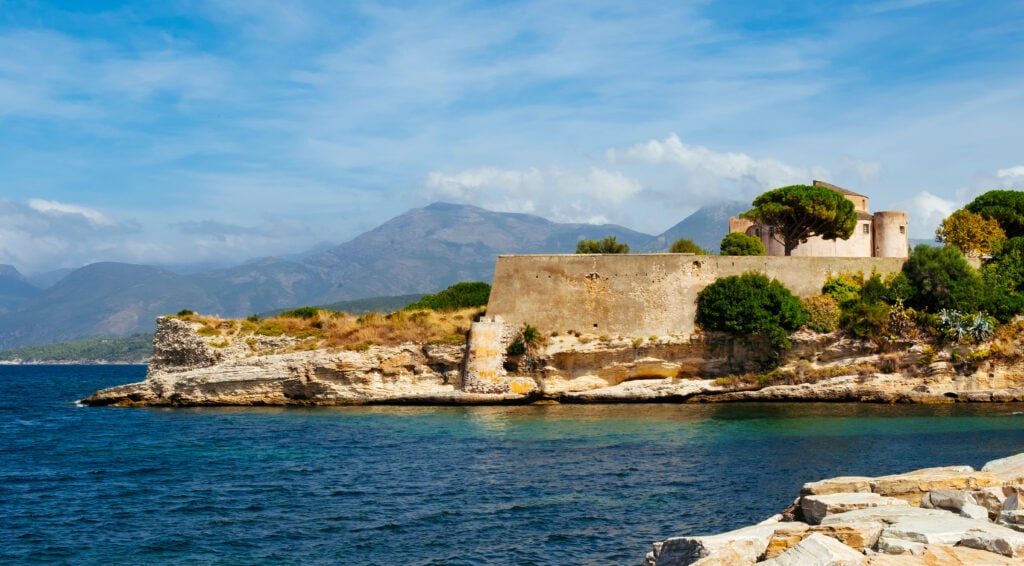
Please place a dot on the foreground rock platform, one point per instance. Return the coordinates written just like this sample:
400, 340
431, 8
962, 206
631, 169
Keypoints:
952, 515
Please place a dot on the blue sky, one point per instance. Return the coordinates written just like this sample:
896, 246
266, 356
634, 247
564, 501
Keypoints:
184, 132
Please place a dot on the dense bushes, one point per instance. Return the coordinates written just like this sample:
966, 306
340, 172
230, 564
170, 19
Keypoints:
750, 304
940, 278
608, 245
458, 296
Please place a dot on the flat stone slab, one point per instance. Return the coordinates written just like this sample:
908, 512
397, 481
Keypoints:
887, 515
842, 484
818, 550
947, 530
997, 539
1009, 469
913, 485
817, 507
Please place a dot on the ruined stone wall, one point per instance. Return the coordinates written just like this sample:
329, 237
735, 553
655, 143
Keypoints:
641, 295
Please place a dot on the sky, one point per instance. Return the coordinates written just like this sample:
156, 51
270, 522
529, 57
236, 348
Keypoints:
192, 132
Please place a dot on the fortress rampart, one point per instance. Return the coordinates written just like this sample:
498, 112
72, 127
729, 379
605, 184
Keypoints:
644, 294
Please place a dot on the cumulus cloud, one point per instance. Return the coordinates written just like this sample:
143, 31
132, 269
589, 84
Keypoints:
736, 175
926, 212
562, 195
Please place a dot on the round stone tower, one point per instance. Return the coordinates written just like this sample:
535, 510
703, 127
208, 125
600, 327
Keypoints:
891, 234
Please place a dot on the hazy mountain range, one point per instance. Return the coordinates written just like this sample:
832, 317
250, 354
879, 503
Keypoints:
421, 251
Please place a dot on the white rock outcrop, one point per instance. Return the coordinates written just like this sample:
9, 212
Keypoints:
934, 516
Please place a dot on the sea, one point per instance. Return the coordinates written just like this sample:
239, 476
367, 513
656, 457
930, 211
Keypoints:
546, 484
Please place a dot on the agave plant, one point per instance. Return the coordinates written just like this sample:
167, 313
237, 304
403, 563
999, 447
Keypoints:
981, 326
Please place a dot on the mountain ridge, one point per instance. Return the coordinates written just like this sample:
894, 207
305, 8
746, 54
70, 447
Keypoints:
420, 251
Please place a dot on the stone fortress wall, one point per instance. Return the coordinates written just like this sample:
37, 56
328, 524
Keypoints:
642, 295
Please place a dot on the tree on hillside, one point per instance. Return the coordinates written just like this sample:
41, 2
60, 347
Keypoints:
1006, 207
972, 234
798, 212
605, 246
686, 246
737, 243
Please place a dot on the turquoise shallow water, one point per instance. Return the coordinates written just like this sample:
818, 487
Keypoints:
583, 484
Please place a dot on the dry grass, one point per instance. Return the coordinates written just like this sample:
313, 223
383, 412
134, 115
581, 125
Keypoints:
338, 330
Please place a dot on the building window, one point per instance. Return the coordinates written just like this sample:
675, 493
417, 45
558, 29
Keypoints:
867, 228
903, 229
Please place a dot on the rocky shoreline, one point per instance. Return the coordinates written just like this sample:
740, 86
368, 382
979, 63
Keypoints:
190, 369
951, 515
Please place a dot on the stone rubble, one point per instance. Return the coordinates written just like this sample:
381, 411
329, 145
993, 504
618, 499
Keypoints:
951, 515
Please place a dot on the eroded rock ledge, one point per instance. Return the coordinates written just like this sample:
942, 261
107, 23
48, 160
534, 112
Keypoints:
190, 369
937, 516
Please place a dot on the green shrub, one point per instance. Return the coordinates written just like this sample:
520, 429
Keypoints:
685, 246
185, 312
844, 288
823, 313
606, 246
737, 243
866, 320
516, 348
458, 296
531, 335
750, 304
942, 279
301, 312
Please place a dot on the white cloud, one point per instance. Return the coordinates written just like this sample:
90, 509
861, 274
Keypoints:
763, 173
926, 212
1011, 172
54, 208
558, 194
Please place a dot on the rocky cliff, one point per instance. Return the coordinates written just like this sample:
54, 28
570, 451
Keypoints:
190, 368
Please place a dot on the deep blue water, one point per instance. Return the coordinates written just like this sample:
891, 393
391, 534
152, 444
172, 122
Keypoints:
582, 484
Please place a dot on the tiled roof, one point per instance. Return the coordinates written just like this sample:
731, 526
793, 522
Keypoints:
837, 188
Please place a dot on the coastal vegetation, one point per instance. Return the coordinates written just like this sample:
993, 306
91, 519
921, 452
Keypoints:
458, 296
607, 245
323, 329
133, 349
738, 243
440, 318
686, 246
972, 234
750, 305
798, 212
1005, 207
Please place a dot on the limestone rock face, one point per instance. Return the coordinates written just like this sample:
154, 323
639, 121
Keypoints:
255, 369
